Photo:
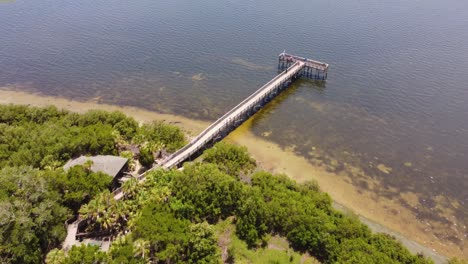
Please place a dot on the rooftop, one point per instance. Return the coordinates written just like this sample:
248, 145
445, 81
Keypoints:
107, 164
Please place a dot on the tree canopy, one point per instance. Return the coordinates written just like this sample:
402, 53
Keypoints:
36, 195
31, 216
171, 216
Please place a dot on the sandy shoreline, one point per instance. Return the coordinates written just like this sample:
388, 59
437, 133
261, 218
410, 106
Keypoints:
270, 156
14, 97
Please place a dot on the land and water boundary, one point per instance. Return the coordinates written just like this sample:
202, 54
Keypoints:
272, 157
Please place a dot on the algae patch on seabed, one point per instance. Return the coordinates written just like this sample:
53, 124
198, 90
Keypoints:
411, 199
383, 168
198, 77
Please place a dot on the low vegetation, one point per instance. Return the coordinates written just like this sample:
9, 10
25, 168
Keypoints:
36, 195
222, 208
173, 209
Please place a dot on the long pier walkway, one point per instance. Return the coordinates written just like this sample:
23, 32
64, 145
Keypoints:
291, 67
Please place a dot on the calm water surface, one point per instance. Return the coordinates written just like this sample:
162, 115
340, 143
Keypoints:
395, 103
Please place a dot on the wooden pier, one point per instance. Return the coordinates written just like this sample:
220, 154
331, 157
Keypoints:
290, 68
312, 69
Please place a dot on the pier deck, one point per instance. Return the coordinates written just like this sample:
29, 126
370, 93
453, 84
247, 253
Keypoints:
227, 120
290, 68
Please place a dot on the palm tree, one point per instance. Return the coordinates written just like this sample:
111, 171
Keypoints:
141, 249
107, 217
120, 213
133, 220
91, 210
106, 198
105, 221
55, 256
142, 198
99, 211
161, 194
130, 188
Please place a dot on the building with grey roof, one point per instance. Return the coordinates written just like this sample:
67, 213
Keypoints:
110, 165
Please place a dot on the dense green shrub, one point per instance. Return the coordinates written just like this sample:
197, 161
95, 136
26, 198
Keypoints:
167, 234
230, 159
31, 216
252, 218
169, 239
78, 185
85, 254
203, 192
12, 114
202, 244
34, 203
126, 126
159, 133
47, 137
146, 157
276, 204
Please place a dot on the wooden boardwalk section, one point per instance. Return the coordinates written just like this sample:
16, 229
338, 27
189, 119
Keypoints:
290, 68
228, 121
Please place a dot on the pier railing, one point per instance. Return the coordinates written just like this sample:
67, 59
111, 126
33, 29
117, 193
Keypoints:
174, 160
313, 69
291, 67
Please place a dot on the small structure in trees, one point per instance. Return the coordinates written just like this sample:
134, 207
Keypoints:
113, 166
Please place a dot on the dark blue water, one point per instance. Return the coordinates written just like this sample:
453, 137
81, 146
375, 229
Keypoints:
396, 95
